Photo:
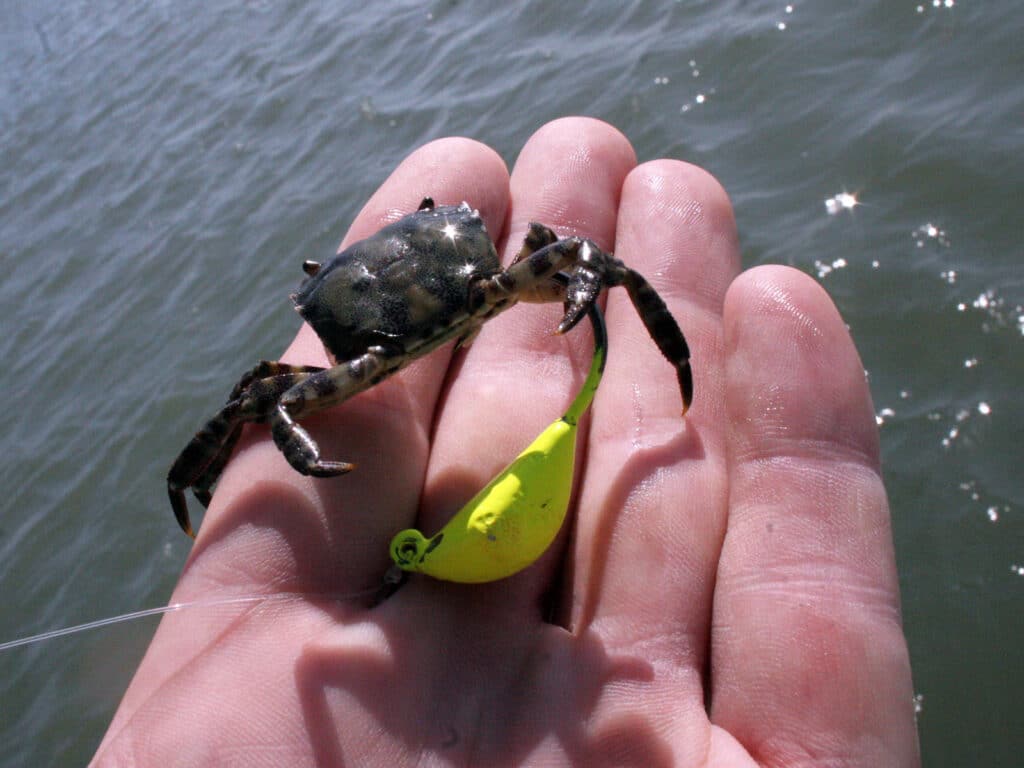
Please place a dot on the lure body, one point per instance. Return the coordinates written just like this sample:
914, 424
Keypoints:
514, 519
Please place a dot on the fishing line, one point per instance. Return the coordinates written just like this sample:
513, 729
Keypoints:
210, 602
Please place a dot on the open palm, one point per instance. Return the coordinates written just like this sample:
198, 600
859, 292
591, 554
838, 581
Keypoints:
727, 594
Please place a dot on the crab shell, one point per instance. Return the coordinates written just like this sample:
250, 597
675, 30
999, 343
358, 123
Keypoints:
406, 287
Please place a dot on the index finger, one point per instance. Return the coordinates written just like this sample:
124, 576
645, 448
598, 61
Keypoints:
273, 526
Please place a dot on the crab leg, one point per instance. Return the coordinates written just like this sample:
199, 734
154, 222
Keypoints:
530, 278
531, 274
200, 463
663, 328
537, 236
266, 369
263, 370
322, 390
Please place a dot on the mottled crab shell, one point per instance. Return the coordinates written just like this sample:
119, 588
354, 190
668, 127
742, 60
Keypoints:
403, 286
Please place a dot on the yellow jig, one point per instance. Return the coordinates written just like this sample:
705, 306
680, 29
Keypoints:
512, 521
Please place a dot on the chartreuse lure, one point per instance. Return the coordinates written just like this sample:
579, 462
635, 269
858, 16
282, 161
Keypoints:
511, 522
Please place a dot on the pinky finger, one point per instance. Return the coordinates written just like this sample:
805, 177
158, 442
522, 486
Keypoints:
809, 662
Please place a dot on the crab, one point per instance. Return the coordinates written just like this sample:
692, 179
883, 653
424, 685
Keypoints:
429, 278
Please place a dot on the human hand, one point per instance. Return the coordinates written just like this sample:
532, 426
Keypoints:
728, 595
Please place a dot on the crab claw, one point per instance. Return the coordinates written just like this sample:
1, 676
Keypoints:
584, 285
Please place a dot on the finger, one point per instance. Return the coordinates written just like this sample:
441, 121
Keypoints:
652, 509
809, 660
517, 377
297, 532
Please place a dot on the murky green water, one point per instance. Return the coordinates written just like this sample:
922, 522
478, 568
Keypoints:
165, 166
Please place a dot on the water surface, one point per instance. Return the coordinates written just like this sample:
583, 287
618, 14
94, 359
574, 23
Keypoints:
165, 166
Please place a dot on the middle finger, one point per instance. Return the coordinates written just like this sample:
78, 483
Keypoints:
517, 378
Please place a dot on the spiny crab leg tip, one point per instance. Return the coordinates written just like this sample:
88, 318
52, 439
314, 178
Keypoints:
186, 525
685, 376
